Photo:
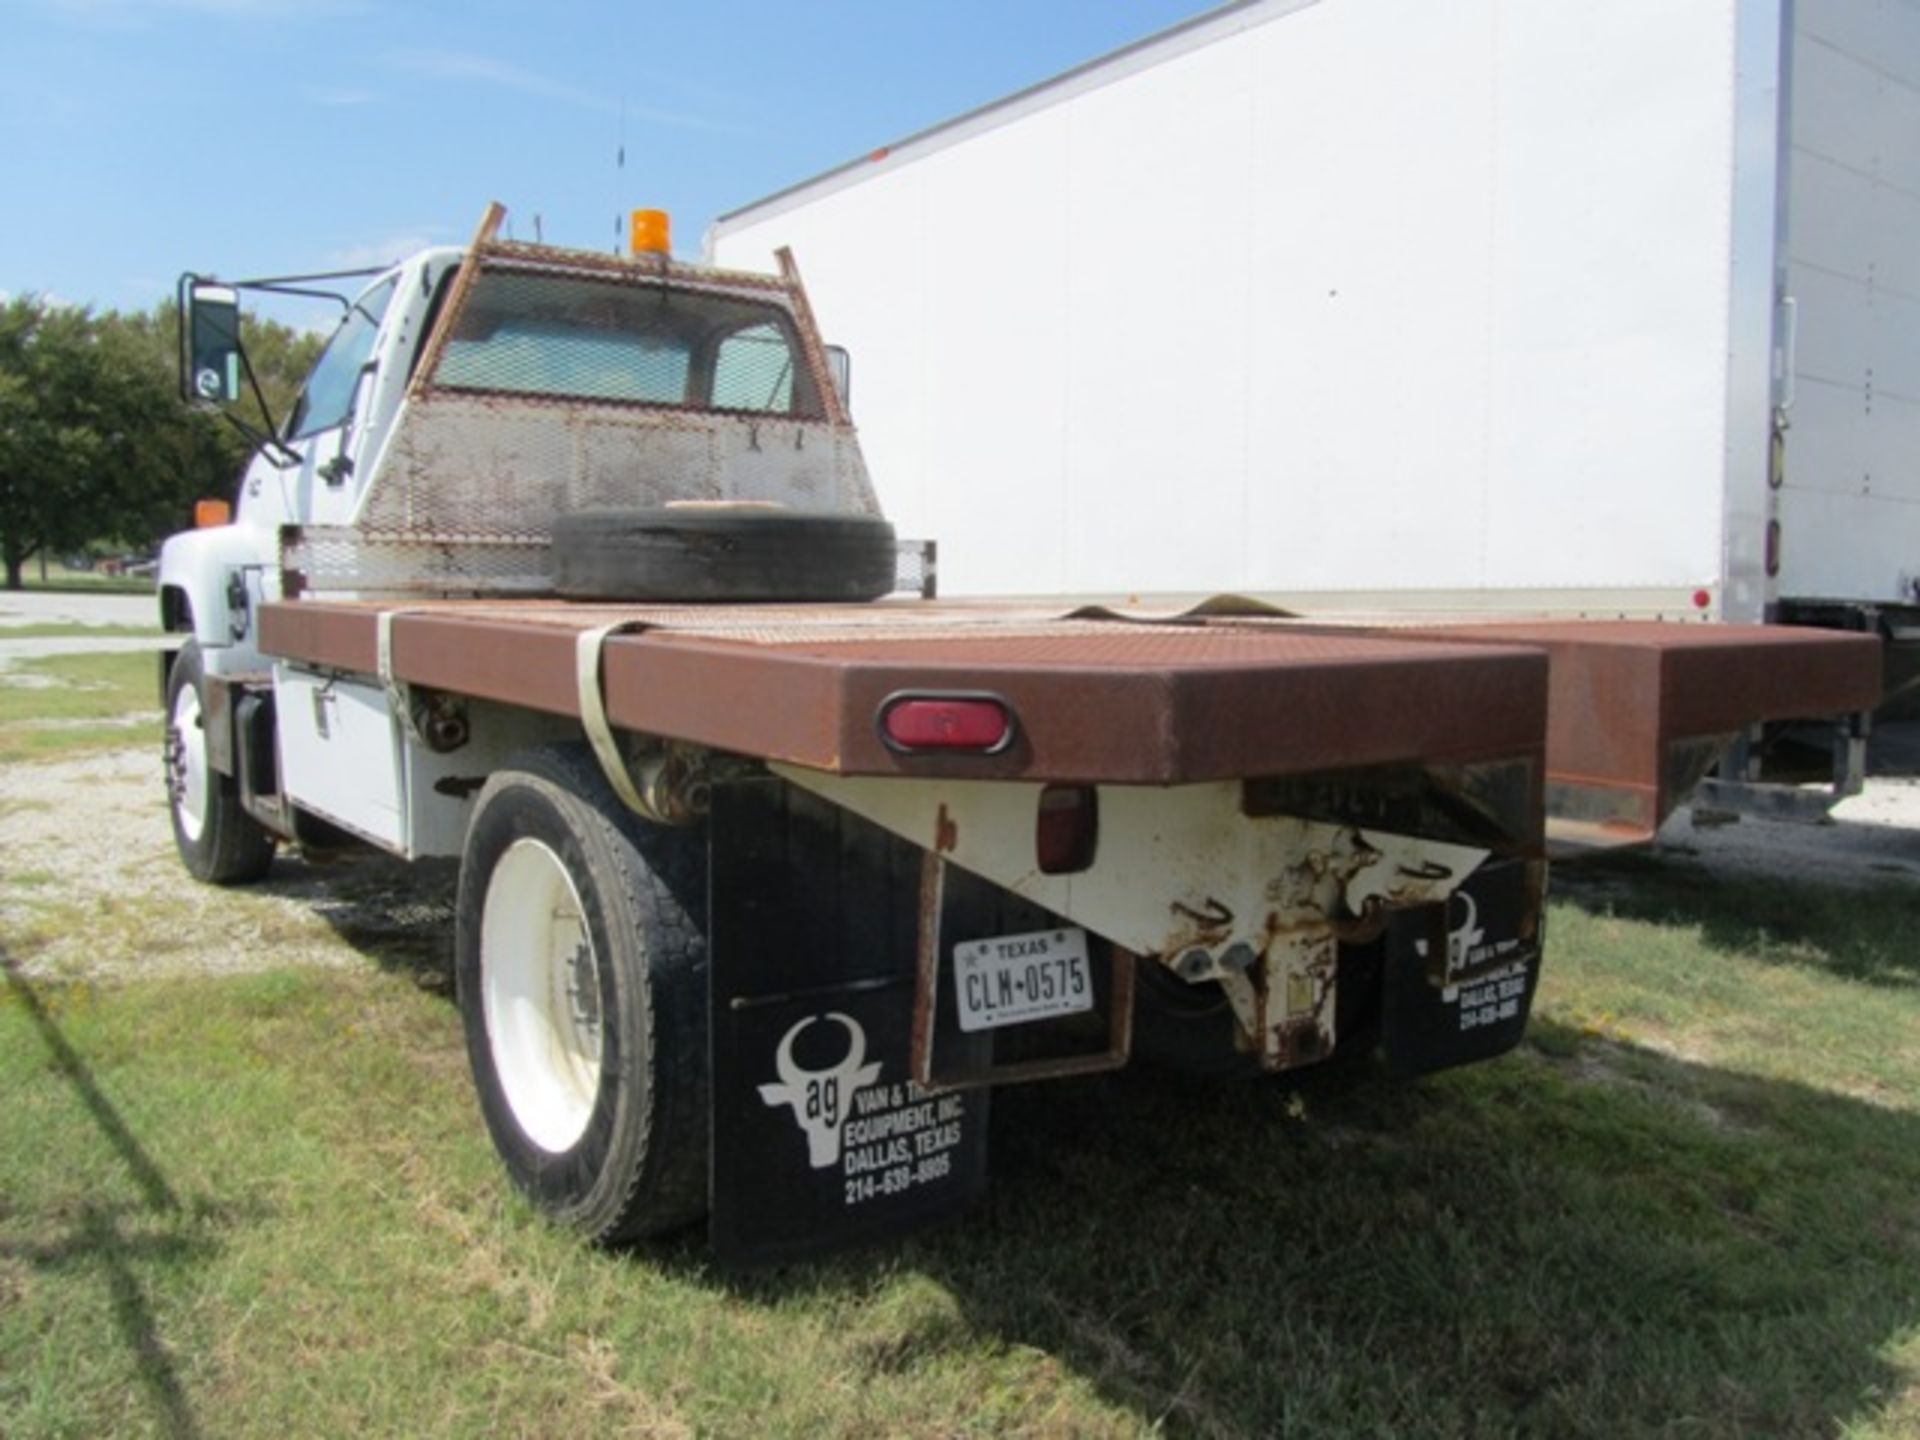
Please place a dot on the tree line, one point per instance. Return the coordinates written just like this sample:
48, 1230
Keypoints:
97, 449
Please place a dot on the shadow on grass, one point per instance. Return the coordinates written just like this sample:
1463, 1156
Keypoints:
99, 1237
1583, 1238
1862, 935
396, 913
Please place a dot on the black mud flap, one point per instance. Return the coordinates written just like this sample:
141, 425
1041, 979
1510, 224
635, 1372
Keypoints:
1460, 978
820, 1140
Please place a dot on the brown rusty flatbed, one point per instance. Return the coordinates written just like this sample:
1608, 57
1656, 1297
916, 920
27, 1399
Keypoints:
1637, 708
1611, 705
1096, 700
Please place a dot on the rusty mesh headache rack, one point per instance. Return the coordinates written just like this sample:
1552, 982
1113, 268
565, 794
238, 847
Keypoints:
558, 381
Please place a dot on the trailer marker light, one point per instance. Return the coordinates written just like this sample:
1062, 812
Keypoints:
209, 513
1702, 599
1066, 832
915, 722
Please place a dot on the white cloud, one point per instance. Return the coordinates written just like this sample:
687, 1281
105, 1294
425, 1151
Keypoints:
464, 65
382, 252
336, 98
131, 13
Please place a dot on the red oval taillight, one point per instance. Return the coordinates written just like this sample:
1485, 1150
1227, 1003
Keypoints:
946, 722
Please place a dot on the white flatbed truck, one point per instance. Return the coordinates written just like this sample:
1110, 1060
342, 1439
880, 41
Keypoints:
567, 565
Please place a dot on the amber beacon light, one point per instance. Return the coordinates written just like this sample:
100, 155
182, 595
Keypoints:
650, 232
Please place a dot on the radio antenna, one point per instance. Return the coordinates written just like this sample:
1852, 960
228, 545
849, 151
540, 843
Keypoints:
620, 179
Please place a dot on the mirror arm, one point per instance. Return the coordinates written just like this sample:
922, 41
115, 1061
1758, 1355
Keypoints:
269, 440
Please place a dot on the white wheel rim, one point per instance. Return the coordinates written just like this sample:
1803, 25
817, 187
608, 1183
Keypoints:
540, 989
187, 767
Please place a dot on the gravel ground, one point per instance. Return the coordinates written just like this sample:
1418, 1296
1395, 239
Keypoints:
59, 607
90, 887
1871, 839
51, 607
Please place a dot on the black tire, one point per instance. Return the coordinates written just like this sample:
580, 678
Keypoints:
636, 1165
722, 554
219, 842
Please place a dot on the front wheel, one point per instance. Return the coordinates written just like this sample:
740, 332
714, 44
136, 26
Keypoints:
580, 956
219, 842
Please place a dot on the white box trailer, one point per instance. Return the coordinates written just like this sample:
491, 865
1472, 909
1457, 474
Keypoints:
1570, 306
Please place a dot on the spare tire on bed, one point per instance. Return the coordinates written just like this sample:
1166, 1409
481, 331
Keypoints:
721, 552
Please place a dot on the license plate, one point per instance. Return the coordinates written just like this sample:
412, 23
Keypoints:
1012, 979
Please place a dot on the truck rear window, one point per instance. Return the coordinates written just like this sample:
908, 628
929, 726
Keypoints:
587, 338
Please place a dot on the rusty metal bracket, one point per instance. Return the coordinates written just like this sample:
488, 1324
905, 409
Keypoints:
926, 996
436, 340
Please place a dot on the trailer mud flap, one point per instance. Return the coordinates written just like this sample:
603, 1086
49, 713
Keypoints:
1460, 979
820, 1139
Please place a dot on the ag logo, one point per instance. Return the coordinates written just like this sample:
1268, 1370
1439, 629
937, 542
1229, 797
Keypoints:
1462, 940
819, 1098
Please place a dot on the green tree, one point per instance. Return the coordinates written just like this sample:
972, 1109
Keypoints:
74, 407
96, 446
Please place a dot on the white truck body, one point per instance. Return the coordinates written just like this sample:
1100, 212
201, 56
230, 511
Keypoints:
1457, 304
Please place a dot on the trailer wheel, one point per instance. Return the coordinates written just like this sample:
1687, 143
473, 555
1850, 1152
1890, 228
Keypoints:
219, 842
580, 958
747, 553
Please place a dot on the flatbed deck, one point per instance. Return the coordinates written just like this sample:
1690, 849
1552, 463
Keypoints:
1095, 700
1104, 698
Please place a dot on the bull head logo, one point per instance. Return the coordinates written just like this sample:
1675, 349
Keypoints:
1462, 940
820, 1098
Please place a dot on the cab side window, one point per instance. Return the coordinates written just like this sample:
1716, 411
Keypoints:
327, 400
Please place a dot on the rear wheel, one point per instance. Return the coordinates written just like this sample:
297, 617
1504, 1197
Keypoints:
580, 956
218, 840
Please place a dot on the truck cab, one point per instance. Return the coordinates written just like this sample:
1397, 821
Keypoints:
424, 458
314, 467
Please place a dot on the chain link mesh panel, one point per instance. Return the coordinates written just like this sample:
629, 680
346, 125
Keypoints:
607, 338
339, 561
576, 386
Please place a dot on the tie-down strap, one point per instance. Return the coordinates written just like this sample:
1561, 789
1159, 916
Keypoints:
399, 698
593, 710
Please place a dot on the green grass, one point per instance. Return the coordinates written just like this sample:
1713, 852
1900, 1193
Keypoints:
1689, 1205
62, 629
65, 705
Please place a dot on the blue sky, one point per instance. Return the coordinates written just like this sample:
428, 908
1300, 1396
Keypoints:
140, 138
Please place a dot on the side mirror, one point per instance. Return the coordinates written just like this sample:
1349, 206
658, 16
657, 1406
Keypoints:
210, 364
840, 366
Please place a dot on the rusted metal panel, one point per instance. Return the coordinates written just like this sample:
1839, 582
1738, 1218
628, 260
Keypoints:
430, 353
1639, 711
1145, 705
